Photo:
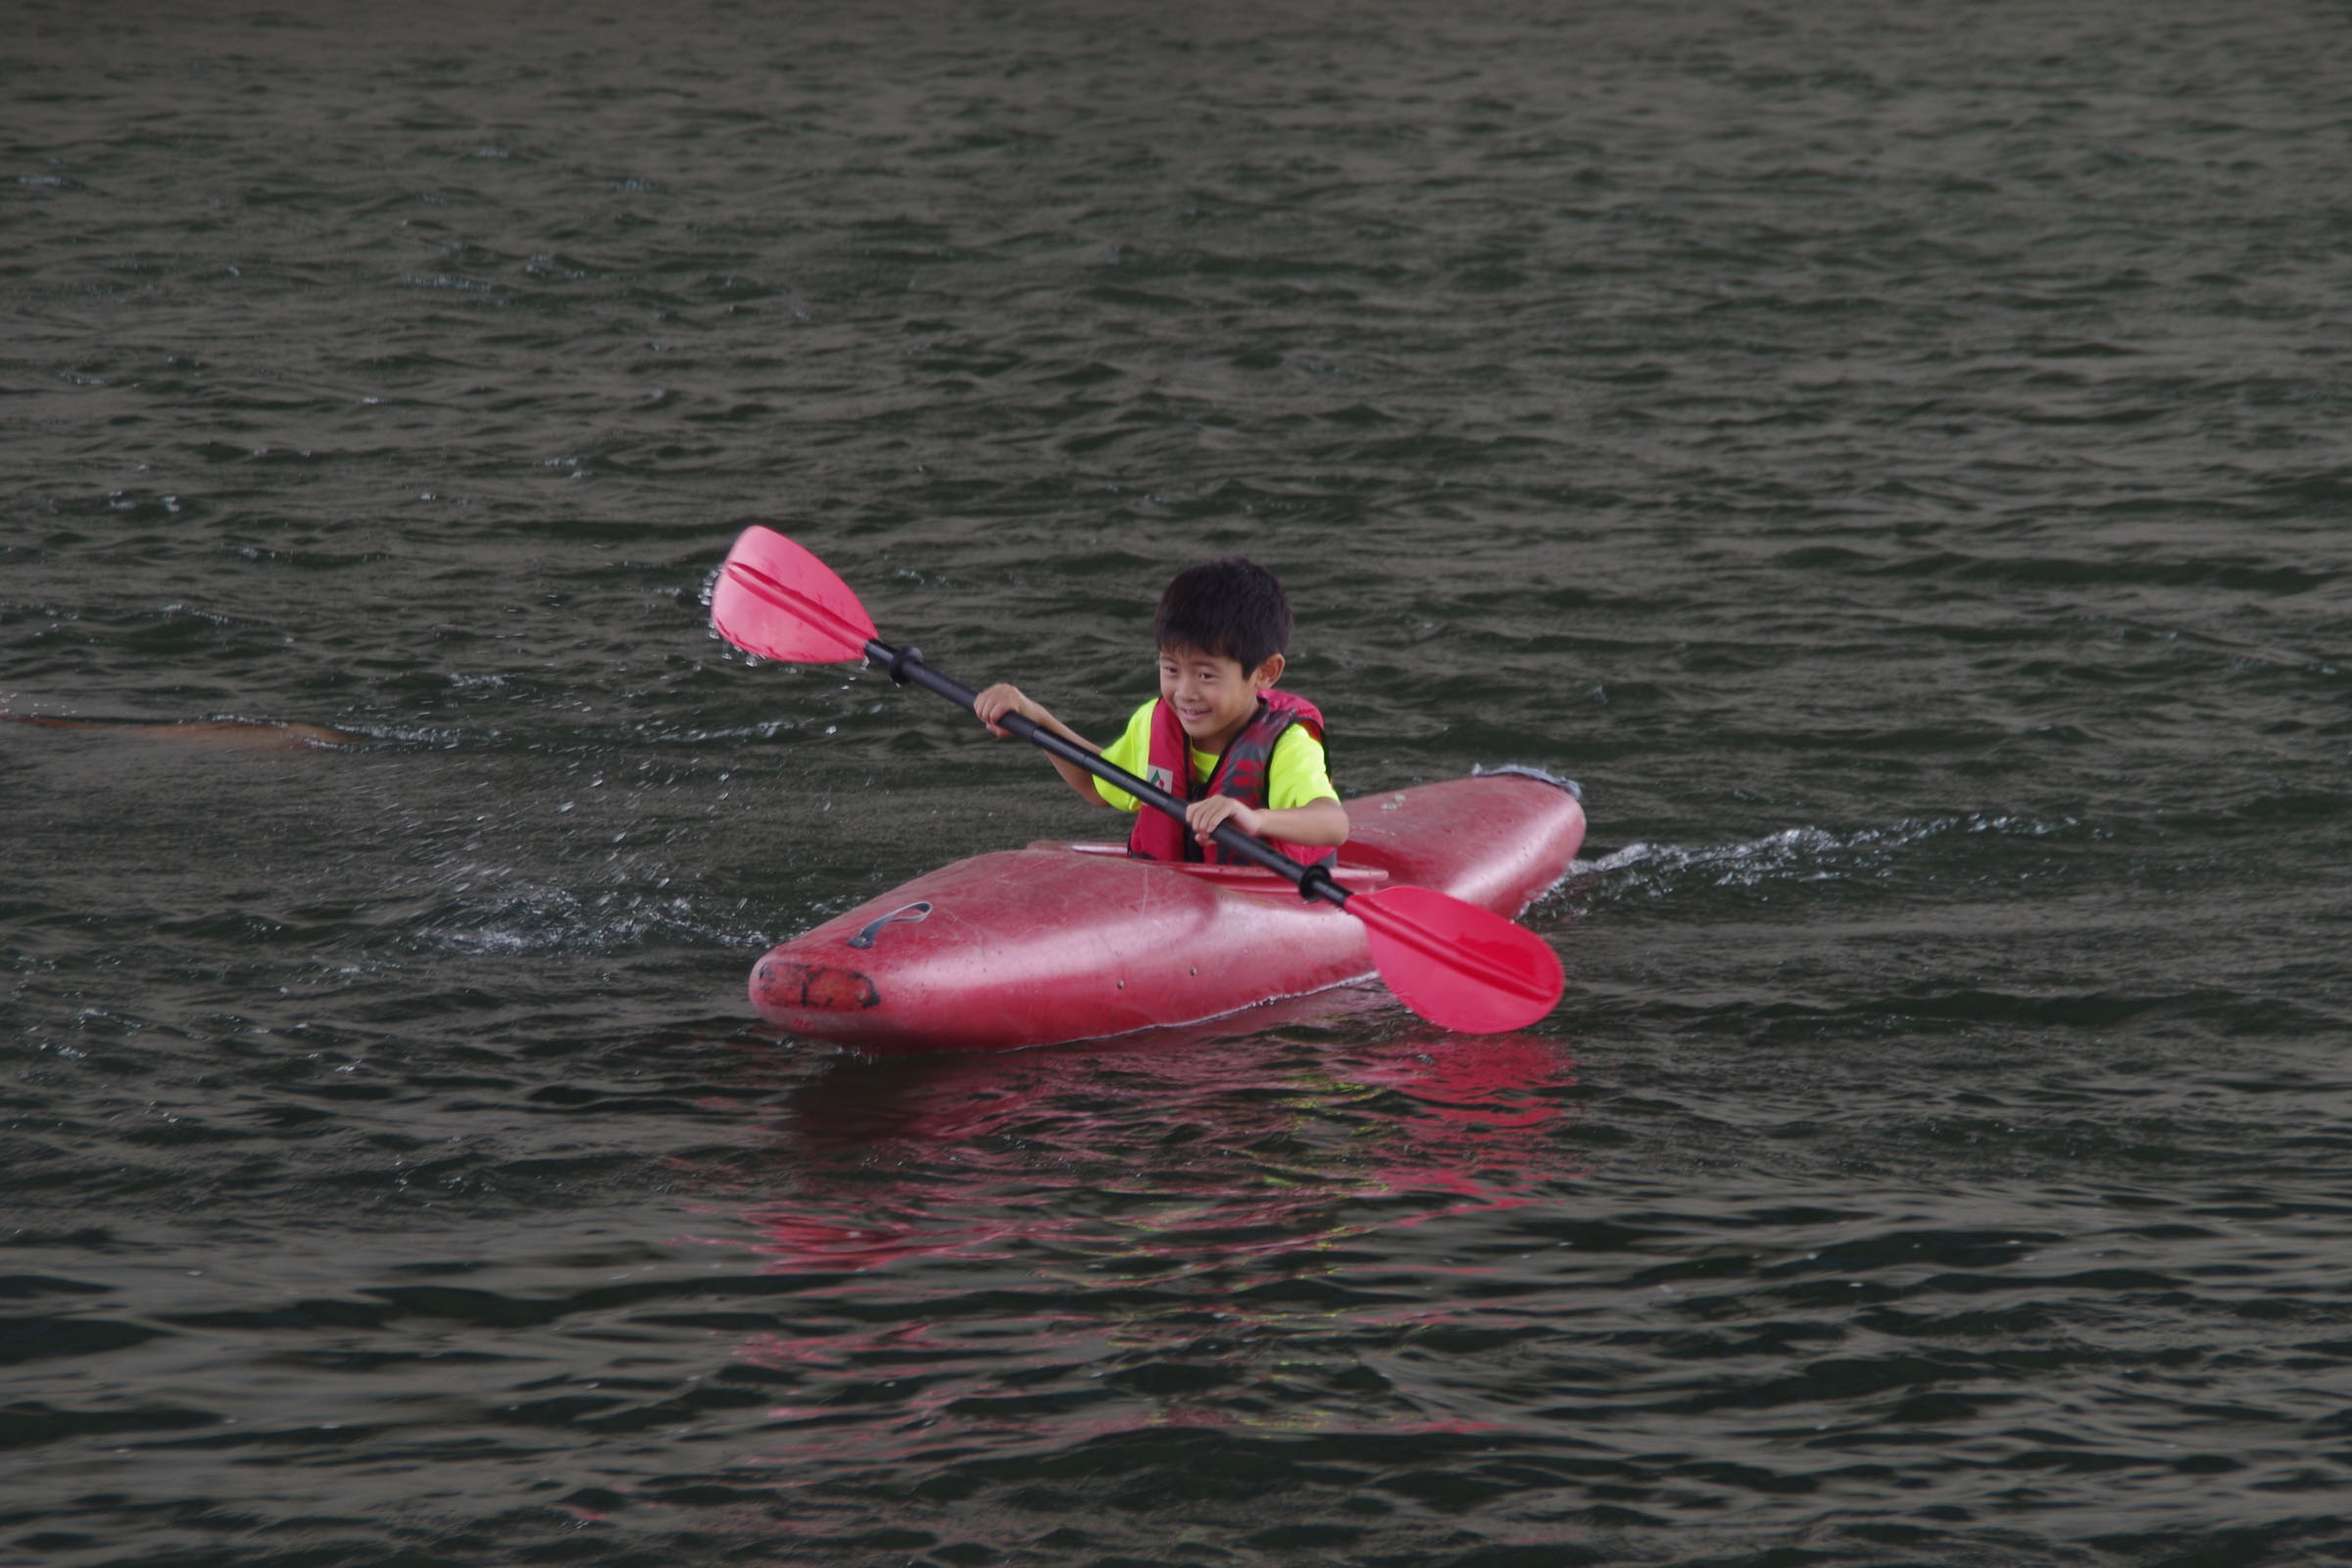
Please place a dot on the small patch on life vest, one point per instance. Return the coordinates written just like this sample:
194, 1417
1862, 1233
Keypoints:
1161, 777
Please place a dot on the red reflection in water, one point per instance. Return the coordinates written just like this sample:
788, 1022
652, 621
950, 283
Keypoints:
1051, 1245
1222, 1148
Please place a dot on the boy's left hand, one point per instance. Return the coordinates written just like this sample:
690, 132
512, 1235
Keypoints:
1202, 816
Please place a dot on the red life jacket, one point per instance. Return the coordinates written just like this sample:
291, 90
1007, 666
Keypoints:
1240, 773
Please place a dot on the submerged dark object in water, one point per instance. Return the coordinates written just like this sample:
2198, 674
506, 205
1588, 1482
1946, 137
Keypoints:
235, 734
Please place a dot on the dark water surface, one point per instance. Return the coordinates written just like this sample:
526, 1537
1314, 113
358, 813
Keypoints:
1895, 455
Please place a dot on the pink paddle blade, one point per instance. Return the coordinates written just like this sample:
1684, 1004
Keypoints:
1456, 964
776, 600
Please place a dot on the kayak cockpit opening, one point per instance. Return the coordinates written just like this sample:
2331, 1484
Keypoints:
1248, 878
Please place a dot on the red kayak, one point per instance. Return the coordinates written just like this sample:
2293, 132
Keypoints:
1077, 941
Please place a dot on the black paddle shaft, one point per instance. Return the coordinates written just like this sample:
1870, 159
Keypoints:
907, 664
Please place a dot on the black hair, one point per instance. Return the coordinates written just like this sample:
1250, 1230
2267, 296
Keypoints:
1230, 609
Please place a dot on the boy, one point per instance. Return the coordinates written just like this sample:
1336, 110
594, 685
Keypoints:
1248, 754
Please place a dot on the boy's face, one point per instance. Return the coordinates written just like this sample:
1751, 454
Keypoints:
1213, 697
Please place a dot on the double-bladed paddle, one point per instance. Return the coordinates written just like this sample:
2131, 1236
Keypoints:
1457, 965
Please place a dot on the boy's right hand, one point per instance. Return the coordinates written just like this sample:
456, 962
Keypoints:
1000, 699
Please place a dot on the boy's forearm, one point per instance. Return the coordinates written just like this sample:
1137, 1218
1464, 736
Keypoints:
1002, 701
1323, 824
1076, 777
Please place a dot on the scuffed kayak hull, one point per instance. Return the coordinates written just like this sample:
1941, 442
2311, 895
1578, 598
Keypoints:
1062, 942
